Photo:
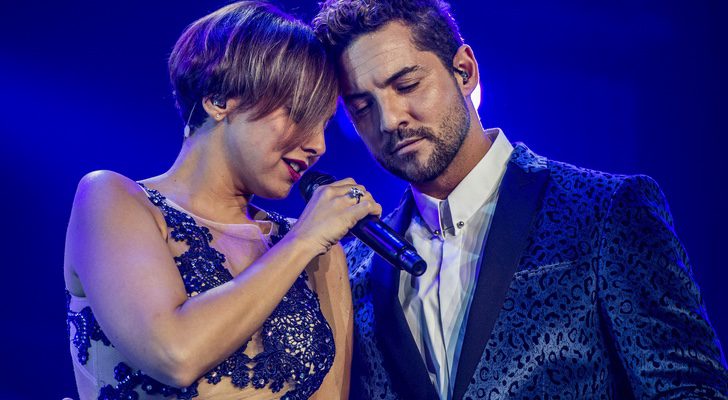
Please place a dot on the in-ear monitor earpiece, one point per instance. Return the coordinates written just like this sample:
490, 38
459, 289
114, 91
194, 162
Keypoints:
218, 102
463, 74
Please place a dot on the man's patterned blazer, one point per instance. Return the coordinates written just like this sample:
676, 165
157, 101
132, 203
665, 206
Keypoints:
583, 292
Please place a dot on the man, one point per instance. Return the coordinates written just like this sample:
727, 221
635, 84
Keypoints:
544, 280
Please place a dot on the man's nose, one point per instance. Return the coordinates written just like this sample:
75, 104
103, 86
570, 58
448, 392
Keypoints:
393, 115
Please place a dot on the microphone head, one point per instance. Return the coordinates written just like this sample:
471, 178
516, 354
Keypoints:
411, 262
311, 180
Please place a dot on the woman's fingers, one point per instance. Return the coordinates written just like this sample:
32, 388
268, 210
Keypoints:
334, 209
345, 189
364, 208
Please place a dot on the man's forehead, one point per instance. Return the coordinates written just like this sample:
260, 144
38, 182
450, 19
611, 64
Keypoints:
373, 57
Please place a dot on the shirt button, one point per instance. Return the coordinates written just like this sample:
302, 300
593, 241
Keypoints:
436, 233
461, 224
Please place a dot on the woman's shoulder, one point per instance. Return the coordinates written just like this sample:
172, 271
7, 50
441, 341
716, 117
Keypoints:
105, 180
106, 202
109, 191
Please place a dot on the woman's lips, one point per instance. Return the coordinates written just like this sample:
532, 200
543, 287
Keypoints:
302, 166
294, 175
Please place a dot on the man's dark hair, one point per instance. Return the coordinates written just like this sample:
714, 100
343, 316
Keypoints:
340, 22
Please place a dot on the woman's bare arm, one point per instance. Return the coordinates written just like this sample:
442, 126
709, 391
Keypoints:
115, 247
331, 279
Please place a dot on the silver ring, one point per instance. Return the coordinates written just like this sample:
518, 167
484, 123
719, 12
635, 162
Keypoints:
356, 193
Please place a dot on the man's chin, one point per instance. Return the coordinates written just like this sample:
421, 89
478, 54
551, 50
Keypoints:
413, 174
412, 167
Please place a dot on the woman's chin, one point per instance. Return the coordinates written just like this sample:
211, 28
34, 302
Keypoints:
278, 193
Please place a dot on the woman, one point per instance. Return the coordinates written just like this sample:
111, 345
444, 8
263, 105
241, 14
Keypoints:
177, 285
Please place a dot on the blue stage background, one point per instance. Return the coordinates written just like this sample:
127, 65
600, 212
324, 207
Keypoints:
626, 87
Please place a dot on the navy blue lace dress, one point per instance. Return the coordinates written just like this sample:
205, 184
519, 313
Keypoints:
297, 342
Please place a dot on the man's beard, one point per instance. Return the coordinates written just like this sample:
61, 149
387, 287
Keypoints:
453, 130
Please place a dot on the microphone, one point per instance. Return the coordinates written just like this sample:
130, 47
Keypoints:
389, 244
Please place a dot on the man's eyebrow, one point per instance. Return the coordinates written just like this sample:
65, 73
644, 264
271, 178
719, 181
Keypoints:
402, 72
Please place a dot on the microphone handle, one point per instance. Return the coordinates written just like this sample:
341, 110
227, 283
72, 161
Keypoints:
386, 242
372, 231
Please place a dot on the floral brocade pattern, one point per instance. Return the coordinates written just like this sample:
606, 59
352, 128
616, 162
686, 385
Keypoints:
298, 345
602, 304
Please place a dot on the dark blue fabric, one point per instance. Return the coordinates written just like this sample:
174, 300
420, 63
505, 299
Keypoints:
298, 344
601, 304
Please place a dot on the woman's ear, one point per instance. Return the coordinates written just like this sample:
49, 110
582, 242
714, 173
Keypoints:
465, 69
216, 107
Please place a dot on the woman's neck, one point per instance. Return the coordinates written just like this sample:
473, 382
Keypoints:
200, 181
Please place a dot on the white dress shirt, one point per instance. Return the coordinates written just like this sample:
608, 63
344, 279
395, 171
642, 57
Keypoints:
449, 235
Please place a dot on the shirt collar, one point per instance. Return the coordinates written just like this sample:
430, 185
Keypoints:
478, 186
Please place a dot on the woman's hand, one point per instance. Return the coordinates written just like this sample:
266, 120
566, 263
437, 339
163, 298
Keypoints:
331, 212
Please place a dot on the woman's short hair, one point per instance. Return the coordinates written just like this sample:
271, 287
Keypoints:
253, 52
432, 26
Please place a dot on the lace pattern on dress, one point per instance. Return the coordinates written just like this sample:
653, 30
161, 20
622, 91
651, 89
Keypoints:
298, 345
87, 329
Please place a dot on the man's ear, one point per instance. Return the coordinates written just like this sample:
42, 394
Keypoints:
465, 69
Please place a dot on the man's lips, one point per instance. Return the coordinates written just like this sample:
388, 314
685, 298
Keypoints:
401, 145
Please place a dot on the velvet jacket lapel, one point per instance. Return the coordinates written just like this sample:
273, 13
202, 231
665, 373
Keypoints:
402, 359
520, 196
